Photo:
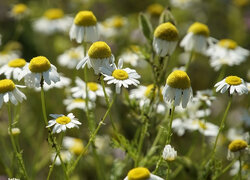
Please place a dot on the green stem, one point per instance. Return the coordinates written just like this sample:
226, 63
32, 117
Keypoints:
168, 171
189, 60
240, 169
158, 165
170, 125
51, 167
225, 169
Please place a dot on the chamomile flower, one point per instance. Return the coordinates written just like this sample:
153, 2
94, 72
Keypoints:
19, 11
237, 148
65, 155
53, 21
140, 173
6, 56
99, 56
245, 169
74, 145
183, 4
37, 69
205, 96
178, 88
14, 131
13, 68
155, 9
165, 39
63, 122
169, 153
232, 84
10, 93
77, 103
84, 27
226, 52
120, 77
94, 90
71, 57
197, 38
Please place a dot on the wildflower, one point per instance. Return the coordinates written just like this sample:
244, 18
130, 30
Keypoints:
53, 21
120, 77
74, 145
19, 11
205, 96
183, 4
179, 126
197, 38
169, 154
62, 122
155, 9
10, 93
84, 27
99, 55
14, 67
234, 133
165, 39
232, 84
140, 173
7, 55
245, 169
77, 103
178, 88
14, 131
237, 148
65, 155
39, 68
71, 57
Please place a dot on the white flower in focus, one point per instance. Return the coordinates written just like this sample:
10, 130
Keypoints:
13, 68
10, 93
120, 77
169, 154
65, 155
61, 122
77, 103
205, 96
232, 84
74, 145
84, 27
140, 173
237, 148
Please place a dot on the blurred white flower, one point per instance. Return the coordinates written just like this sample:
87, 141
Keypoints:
65, 155
205, 96
77, 103
19, 11
169, 153
74, 145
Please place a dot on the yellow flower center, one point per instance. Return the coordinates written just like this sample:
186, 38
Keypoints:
237, 145
166, 31
85, 18
6, 85
199, 29
202, 125
54, 13
179, 79
135, 48
246, 167
155, 9
139, 173
39, 64
77, 147
74, 55
17, 63
99, 50
120, 74
233, 80
92, 86
19, 8
227, 43
79, 100
118, 22
149, 92
63, 120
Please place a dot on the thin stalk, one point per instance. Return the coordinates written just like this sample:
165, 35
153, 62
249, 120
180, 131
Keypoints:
225, 169
189, 60
170, 125
168, 171
51, 167
240, 169
158, 165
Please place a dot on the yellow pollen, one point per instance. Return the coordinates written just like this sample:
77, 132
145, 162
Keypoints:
135, 48
149, 90
227, 43
39, 64
155, 9
92, 86
63, 120
166, 31
74, 55
54, 13
77, 147
6, 85
19, 8
199, 29
139, 173
178, 79
237, 145
202, 125
120, 74
79, 100
118, 22
85, 18
99, 50
233, 80
17, 63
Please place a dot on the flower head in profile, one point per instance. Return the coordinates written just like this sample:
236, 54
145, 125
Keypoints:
236, 148
155, 9
13, 68
141, 173
37, 69
120, 77
99, 56
165, 39
197, 38
10, 93
178, 88
74, 145
62, 122
232, 84
84, 27
169, 153
19, 11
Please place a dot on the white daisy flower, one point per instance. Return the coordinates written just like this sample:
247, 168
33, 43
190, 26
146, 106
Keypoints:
74, 145
232, 84
141, 173
77, 103
19, 11
53, 21
10, 93
71, 57
205, 96
13, 68
169, 153
237, 148
6, 56
245, 169
120, 77
63, 122
37, 69
94, 90
197, 38
84, 27
183, 4
234, 133
155, 9
65, 155
178, 126
165, 39
178, 88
